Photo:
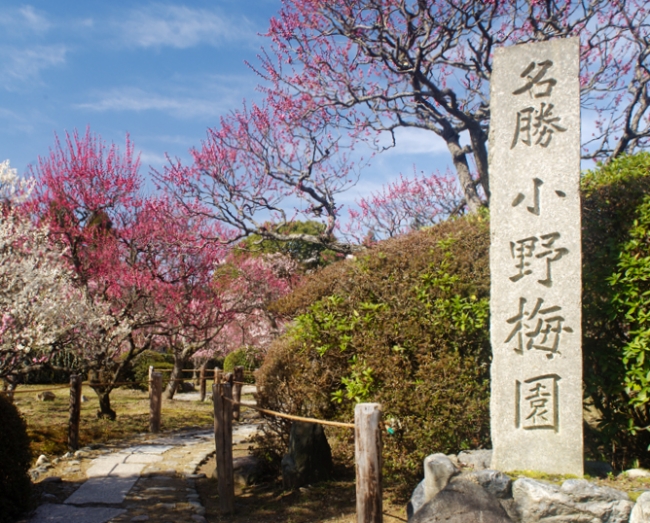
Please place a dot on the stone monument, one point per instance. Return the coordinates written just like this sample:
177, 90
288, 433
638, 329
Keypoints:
535, 258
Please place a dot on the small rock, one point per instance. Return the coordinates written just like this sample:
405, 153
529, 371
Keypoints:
47, 496
81, 454
438, 470
477, 459
495, 482
67, 455
42, 460
45, 396
195, 476
143, 517
637, 473
641, 511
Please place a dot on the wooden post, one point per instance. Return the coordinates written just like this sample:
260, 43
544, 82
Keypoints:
239, 379
75, 412
202, 383
221, 392
155, 401
367, 452
150, 377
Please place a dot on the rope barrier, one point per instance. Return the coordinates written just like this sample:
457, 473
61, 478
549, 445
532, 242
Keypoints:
292, 417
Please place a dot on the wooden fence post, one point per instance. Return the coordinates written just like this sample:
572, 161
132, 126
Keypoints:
75, 412
221, 393
202, 383
239, 379
155, 401
150, 377
367, 453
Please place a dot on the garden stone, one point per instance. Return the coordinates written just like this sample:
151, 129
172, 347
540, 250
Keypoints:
477, 459
309, 458
438, 470
461, 502
493, 481
42, 460
576, 501
247, 470
45, 396
641, 511
417, 500
637, 473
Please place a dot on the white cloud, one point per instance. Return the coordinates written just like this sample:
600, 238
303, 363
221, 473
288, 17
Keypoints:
139, 100
34, 20
181, 27
27, 63
411, 140
23, 20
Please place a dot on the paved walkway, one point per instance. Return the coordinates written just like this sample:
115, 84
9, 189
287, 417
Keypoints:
153, 481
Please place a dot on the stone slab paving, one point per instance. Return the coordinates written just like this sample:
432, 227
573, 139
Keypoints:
146, 482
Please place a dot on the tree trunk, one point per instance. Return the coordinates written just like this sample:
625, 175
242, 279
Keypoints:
176, 376
105, 411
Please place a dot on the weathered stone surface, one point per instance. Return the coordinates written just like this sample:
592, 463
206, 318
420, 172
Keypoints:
309, 458
417, 500
535, 258
641, 511
462, 502
637, 473
576, 501
247, 470
438, 470
477, 459
493, 481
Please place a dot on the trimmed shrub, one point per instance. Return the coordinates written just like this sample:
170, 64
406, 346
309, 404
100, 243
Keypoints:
15, 458
247, 357
405, 325
140, 368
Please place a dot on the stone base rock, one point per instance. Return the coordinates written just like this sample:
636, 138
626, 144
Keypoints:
309, 459
462, 502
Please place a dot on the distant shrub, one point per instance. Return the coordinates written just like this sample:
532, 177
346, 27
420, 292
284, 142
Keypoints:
15, 459
140, 368
247, 357
405, 325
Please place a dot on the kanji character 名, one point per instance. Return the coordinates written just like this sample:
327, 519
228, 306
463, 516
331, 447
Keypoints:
536, 80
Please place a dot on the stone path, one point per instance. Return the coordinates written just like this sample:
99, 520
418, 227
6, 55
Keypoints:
153, 481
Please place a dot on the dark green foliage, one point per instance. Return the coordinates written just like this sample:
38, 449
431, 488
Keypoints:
246, 357
308, 253
15, 458
616, 254
139, 373
405, 325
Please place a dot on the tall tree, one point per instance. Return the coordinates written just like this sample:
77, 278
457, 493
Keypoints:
382, 64
42, 312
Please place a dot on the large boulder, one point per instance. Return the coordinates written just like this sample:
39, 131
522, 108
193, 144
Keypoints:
641, 511
309, 459
576, 501
462, 501
438, 470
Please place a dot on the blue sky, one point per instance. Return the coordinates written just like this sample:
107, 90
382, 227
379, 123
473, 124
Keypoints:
163, 72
